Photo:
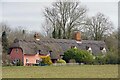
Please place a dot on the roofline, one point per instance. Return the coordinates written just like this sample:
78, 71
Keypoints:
16, 47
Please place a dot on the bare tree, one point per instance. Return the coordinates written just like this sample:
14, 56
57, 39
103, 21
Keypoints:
5, 27
47, 27
65, 16
97, 26
112, 42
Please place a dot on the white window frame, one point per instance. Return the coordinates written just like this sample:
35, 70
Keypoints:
103, 50
89, 50
27, 61
37, 60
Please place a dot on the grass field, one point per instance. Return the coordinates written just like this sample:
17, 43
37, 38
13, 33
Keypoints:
81, 71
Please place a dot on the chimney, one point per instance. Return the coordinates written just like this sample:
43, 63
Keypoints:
77, 36
36, 37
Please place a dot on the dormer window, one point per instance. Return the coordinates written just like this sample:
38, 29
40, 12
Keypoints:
73, 47
50, 51
37, 37
103, 50
89, 49
39, 52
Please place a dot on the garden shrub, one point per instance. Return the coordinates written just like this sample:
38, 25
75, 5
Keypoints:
111, 58
47, 60
61, 61
80, 56
118, 60
69, 54
100, 60
72, 61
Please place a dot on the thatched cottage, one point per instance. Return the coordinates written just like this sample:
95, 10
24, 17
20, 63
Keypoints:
29, 51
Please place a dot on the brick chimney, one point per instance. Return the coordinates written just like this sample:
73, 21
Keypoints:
77, 36
36, 37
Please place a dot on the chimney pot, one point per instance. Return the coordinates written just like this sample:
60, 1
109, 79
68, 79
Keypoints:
78, 36
37, 37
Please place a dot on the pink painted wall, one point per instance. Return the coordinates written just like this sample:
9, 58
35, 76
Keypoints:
16, 54
20, 55
31, 58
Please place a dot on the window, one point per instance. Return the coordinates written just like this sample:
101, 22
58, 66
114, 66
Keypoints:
37, 61
17, 50
89, 49
38, 51
27, 61
103, 50
17, 60
50, 52
73, 47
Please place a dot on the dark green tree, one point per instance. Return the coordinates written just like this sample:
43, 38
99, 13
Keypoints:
111, 58
23, 32
97, 26
80, 56
69, 54
5, 44
54, 33
59, 34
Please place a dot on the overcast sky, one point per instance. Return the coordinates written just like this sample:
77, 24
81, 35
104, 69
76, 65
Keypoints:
30, 14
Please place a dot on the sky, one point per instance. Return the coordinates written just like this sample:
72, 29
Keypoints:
29, 14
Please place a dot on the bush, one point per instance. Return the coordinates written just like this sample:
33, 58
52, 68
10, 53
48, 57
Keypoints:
80, 56
72, 61
47, 60
100, 60
61, 61
5, 60
111, 58
69, 54
119, 60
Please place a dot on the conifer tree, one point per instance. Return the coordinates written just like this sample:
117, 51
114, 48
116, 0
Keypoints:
5, 45
54, 33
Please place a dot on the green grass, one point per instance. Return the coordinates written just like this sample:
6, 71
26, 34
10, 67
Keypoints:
82, 71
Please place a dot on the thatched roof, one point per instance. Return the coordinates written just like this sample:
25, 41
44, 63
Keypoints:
57, 46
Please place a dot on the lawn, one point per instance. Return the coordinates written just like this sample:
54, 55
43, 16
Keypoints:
78, 71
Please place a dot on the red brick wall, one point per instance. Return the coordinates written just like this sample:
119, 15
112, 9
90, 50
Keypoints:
16, 54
